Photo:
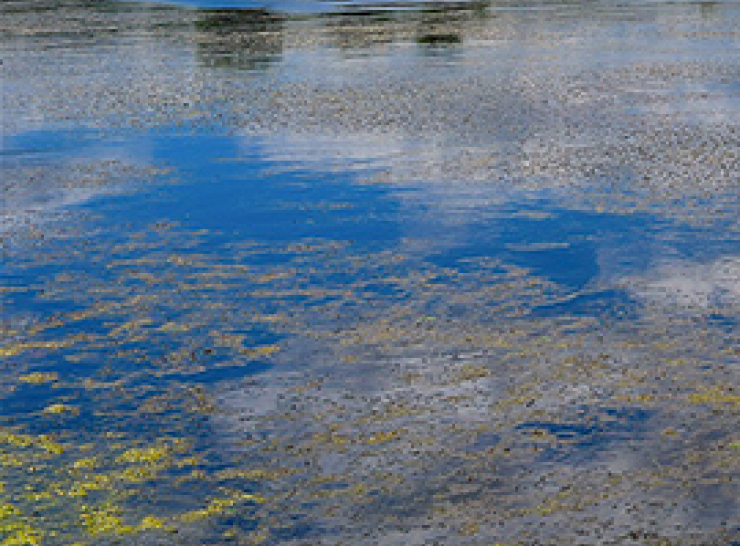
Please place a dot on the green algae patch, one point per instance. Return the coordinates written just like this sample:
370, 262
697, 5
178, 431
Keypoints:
220, 507
39, 378
716, 396
143, 455
108, 520
149, 523
104, 520
42, 441
61, 409
101, 492
22, 535
17, 531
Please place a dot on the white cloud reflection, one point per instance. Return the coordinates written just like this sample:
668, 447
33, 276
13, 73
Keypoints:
682, 284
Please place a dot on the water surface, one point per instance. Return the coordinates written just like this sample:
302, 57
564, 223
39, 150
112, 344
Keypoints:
465, 275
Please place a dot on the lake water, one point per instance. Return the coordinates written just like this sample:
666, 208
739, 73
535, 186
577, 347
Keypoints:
310, 273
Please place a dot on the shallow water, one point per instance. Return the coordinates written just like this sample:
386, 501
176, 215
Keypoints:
468, 275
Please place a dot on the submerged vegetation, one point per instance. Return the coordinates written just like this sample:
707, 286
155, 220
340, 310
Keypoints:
415, 403
391, 298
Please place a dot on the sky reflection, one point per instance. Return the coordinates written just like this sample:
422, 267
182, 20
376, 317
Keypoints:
464, 276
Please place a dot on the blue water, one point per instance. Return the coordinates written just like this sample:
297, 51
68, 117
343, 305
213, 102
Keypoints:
386, 270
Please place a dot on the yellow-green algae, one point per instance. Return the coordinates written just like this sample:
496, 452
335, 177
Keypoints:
37, 377
275, 482
93, 488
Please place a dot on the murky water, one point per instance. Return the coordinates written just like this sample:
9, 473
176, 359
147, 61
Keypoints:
322, 274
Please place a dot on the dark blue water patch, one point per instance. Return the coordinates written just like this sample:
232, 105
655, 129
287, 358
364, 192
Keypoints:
574, 265
25, 405
27, 399
249, 208
227, 188
561, 248
608, 304
590, 431
216, 374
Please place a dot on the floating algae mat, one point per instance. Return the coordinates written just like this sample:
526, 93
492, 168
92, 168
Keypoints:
467, 275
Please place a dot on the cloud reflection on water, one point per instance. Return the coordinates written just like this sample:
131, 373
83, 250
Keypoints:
681, 284
529, 105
